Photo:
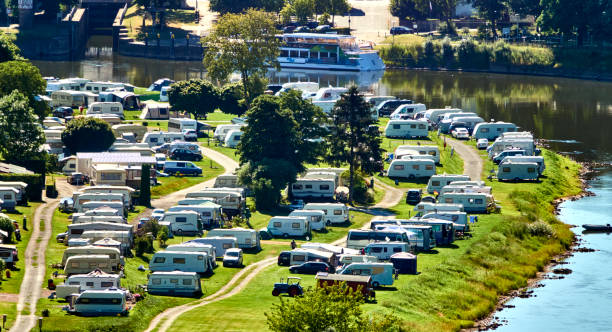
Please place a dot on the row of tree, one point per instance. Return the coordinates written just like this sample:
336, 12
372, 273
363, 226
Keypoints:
302, 9
553, 16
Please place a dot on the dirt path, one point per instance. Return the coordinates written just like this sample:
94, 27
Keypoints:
35, 265
167, 317
472, 162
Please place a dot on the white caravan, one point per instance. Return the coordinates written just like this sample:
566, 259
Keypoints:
230, 201
299, 256
94, 280
80, 198
100, 303
20, 186
220, 243
315, 218
436, 182
411, 168
125, 190
289, 226
384, 250
422, 150
81, 264
180, 124
407, 110
460, 219
113, 254
328, 247
502, 144
232, 138
529, 159
492, 130
81, 218
175, 283
406, 129
209, 249
517, 171
457, 188
184, 261
308, 89
226, 181
435, 115
184, 222
329, 94
472, 202
346, 259
115, 205
335, 213
113, 108
209, 212
381, 273
247, 238
426, 207
222, 130
313, 188
157, 138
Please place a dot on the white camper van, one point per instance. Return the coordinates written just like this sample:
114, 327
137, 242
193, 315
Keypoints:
232, 138
502, 144
436, 182
381, 273
422, 150
492, 130
220, 243
247, 238
175, 283
299, 256
113, 108
184, 261
184, 222
434, 115
517, 171
180, 124
406, 129
384, 250
407, 110
529, 159
472, 202
313, 187
315, 218
335, 213
289, 226
411, 168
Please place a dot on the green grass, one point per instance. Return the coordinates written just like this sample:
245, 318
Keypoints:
213, 145
146, 94
210, 169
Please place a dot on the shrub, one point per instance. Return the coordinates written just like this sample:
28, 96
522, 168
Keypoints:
448, 52
324, 19
540, 228
45, 313
87, 135
145, 123
502, 53
163, 236
6, 225
448, 28
143, 244
429, 53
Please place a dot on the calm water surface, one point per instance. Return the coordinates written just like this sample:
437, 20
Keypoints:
574, 115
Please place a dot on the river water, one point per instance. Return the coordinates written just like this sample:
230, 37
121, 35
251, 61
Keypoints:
574, 116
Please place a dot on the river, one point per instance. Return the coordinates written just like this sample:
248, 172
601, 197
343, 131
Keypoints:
573, 116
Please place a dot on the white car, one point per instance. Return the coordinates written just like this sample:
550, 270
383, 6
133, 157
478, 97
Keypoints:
232, 257
190, 135
460, 133
158, 214
482, 144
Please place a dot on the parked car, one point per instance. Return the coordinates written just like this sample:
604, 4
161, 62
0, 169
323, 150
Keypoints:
482, 143
77, 179
460, 133
311, 268
312, 24
301, 29
291, 287
162, 148
401, 30
323, 28
296, 205
388, 106
182, 167
190, 135
63, 111
158, 214
413, 196
428, 199
289, 29
232, 257
508, 153
184, 154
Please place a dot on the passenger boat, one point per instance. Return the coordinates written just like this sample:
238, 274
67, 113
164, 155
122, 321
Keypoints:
597, 228
326, 52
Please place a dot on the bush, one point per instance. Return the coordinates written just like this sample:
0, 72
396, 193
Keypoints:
143, 244
324, 19
145, 123
448, 28
361, 194
502, 53
448, 52
51, 190
540, 228
6, 225
429, 54
87, 135
163, 236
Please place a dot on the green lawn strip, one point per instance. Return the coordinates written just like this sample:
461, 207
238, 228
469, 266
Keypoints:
10, 310
229, 152
210, 169
146, 94
13, 284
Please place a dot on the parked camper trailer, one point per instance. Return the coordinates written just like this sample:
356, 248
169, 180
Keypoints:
355, 283
407, 110
125, 190
110, 302
247, 238
21, 195
289, 226
411, 168
94, 280
299, 256
9, 254
138, 130
345, 259
220, 243
226, 181
222, 130
97, 86
442, 231
180, 124
455, 188
313, 188
426, 207
91, 205
81, 198
128, 100
231, 201
406, 129
502, 144
8, 198
209, 213
492, 130
423, 150
335, 213
459, 219
113, 108
384, 250
360, 238
124, 237
175, 283
113, 254
469, 122
381, 273
420, 237
328, 247
184, 261
518, 171
72, 99
159, 137
435, 115
209, 249
315, 218
184, 222
449, 118
436, 182
232, 138
81, 264
522, 159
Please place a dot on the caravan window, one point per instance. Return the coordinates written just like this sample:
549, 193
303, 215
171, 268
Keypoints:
107, 284
96, 109
376, 249
397, 249
396, 126
415, 167
432, 153
448, 200
299, 258
247, 241
153, 139
435, 183
485, 130
359, 236
398, 167
297, 186
187, 282
295, 225
500, 129
156, 281
227, 246
337, 212
478, 200
75, 264
178, 260
180, 219
7, 197
89, 284
159, 260
413, 126
74, 283
428, 167
324, 187
174, 281
207, 214
277, 224
115, 109
421, 126
111, 176
530, 170
506, 169
308, 186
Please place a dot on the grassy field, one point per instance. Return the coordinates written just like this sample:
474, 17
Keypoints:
210, 169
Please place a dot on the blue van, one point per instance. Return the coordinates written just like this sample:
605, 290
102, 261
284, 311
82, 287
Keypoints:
173, 167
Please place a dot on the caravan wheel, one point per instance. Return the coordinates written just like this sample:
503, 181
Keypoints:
411, 176
375, 284
285, 235
328, 223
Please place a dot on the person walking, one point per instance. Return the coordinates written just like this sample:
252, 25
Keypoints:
293, 245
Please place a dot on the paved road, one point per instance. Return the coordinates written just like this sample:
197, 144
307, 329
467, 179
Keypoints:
472, 162
35, 264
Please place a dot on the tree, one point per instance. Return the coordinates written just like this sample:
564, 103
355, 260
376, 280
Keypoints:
145, 185
406, 9
159, 7
491, 10
582, 16
20, 134
25, 77
3, 14
327, 309
526, 7
274, 6
352, 140
339, 7
245, 43
303, 9
322, 6
196, 97
8, 50
6, 225
87, 135
231, 99
286, 13
52, 7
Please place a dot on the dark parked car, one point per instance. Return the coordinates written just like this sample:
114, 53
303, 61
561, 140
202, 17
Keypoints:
311, 268
401, 30
388, 106
312, 24
289, 29
283, 258
62, 112
78, 179
413, 196
274, 87
301, 29
184, 154
428, 199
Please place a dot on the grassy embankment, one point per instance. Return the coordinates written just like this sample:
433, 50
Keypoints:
457, 284
418, 52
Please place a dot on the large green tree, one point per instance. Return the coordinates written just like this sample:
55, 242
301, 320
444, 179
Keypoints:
584, 16
491, 10
353, 140
25, 77
338, 7
410, 9
243, 43
303, 9
8, 50
145, 185
87, 135
196, 97
20, 134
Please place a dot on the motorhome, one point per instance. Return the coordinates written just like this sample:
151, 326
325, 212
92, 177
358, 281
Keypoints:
423, 150
222, 130
91, 205
313, 188
329, 94
114, 254
159, 137
381, 273
360, 238
425, 207
406, 129
80, 198
459, 219
109, 302
384, 250
231, 201
299, 256
227, 181
445, 123
220, 243
289, 226
492, 130
21, 195
411, 168
315, 218
94, 280
345, 259
174, 283
406, 111
521, 159
232, 138
97, 87
209, 249
125, 190
247, 238
435, 115
518, 171
113, 108
436, 182
184, 261
209, 213
184, 222
499, 145
72, 99
180, 124
8, 198
81, 264
335, 213
443, 231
